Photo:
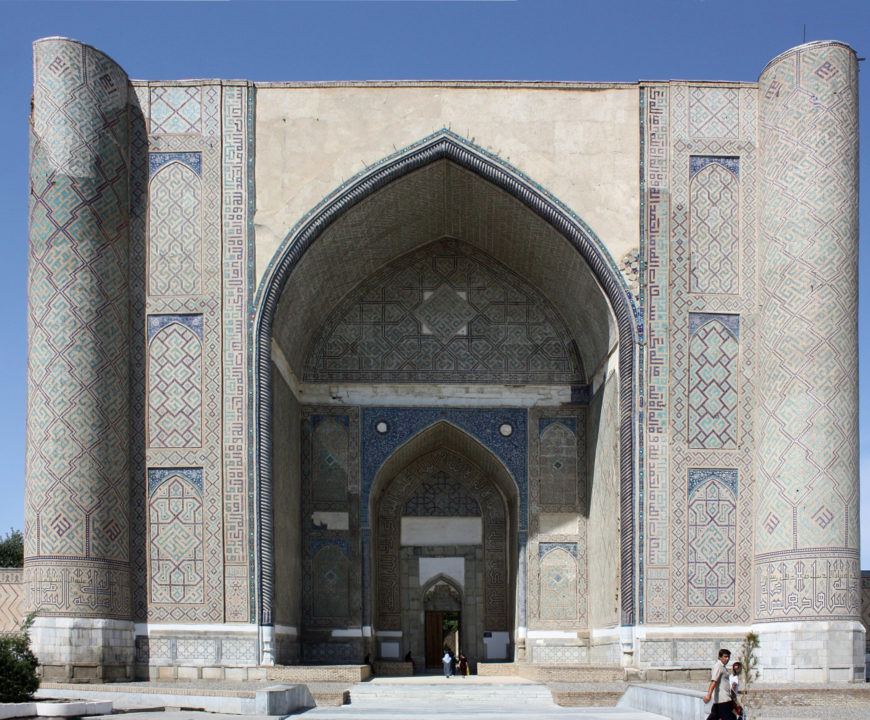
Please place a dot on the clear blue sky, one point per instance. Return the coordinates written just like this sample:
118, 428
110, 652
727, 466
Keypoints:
583, 40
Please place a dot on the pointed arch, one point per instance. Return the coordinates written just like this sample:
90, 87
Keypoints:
440, 146
431, 585
444, 434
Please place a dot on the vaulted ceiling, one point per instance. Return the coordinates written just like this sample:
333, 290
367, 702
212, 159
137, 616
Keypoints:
437, 201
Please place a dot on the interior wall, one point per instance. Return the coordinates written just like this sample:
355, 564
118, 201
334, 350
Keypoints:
286, 474
603, 555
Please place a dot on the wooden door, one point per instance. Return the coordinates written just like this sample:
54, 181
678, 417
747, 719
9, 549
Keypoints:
434, 638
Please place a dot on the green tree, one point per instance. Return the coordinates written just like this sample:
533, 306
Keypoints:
18, 679
12, 549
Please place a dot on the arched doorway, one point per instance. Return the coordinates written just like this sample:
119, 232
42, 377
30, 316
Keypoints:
444, 510
442, 205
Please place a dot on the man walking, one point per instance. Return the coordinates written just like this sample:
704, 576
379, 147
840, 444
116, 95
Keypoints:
719, 689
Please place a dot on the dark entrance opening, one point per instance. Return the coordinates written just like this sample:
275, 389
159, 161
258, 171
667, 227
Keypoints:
442, 631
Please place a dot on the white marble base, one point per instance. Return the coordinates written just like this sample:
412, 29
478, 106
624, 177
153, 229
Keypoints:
83, 649
811, 651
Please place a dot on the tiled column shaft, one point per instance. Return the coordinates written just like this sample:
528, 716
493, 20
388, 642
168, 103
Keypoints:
77, 475
806, 514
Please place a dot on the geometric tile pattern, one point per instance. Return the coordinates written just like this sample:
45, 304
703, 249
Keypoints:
683, 363
193, 316
440, 496
175, 251
78, 494
329, 460
865, 604
713, 377
558, 585
11, 599
557, 592
559, 655
482, 424
559, 476
714, 223
330, 483
176, 110
807, 424
175, 387
176, 542
712, 526
655, 517
713, 112
330, 592
236, 127
444, 313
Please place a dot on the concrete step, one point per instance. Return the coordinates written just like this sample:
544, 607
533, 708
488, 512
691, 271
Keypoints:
455, 693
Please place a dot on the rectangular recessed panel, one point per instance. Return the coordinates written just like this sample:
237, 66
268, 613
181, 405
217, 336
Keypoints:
442, 531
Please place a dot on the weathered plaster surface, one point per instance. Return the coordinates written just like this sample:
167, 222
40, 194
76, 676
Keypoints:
579, 144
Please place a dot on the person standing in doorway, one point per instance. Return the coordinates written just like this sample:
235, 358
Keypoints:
719, 690
447, 661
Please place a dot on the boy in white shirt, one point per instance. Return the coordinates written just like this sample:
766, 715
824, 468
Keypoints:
719, 690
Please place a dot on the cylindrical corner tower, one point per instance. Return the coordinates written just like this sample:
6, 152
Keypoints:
806, 584
77, 504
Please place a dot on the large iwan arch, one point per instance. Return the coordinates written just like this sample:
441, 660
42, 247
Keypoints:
592, 304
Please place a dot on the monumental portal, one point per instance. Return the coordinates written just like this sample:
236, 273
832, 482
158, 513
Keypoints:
322, 370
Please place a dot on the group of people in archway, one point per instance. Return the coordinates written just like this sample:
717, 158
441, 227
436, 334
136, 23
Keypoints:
454, 664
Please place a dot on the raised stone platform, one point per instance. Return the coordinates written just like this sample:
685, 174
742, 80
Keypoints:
274, 700
54, 709
554, 673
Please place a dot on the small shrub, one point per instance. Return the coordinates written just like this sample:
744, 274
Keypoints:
18, 680
749, 670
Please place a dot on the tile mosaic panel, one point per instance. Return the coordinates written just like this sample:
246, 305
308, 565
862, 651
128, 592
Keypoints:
440, 495
330, 592
558, 585
11, 598
176, 547
558, 466
807, 420
714, 223
714, 371
557, 484
482, 424
712, 543
176, 110
445, 313
201, 315
175, 219
237, 268
77, 467
238, 651
175, 385
559, 655
865, 604
331, 561
329, 459
714, 112
689, 315
654, 497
